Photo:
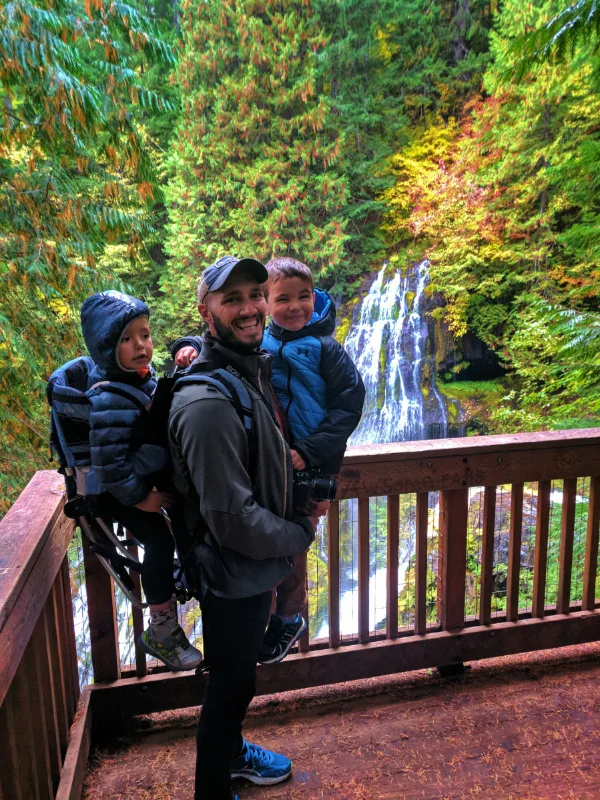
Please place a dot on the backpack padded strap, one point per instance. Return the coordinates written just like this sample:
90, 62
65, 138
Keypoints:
233, 389
124, 390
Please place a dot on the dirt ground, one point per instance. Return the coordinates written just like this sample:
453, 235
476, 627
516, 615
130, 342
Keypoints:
519, 727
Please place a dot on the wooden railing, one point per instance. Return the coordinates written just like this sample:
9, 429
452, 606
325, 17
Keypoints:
39, 685
448, 467
38, 681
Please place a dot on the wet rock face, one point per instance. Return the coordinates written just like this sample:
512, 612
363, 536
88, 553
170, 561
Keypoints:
476, 360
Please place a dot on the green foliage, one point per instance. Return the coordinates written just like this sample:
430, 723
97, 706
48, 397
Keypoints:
504, 201
558, 39
74, 174
349, 70
256, 158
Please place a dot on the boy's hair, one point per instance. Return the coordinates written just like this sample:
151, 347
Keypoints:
286, 267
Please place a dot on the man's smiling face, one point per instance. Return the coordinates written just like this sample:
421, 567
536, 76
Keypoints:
237, 311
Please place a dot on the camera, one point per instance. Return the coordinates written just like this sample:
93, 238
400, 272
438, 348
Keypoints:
311, 485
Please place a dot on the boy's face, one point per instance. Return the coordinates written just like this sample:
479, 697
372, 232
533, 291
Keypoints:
135, 347
291, 302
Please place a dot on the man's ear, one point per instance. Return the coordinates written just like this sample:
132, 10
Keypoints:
204, 312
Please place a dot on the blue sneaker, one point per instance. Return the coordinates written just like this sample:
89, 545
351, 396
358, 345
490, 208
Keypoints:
260, 766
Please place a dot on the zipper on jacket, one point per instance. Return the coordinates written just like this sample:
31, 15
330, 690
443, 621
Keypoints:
289, 374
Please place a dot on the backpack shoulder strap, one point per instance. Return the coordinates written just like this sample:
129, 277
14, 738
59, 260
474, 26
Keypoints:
139, 398
230, 386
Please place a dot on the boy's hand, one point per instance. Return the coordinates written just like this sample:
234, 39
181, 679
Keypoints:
317, 510
155, 501
185, 356
297, 461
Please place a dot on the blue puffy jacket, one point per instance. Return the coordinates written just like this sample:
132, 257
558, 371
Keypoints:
122, 462
318, 385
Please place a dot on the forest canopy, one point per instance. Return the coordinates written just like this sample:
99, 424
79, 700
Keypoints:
140, 142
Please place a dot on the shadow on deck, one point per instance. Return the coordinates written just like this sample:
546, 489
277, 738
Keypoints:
525, 726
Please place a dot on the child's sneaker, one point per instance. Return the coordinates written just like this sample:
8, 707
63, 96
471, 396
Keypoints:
260, 766
280, 638
175, 651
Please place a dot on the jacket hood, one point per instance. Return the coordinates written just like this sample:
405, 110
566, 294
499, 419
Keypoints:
321, 324
104, 317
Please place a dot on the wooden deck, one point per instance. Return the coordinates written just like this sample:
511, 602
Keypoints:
501, 731
519, 727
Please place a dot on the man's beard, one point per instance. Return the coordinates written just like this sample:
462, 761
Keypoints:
227, 335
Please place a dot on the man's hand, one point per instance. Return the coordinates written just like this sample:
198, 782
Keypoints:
316, 510
297, 461
155, 501
185, 356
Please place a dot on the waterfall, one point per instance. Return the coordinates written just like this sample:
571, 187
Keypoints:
389, 347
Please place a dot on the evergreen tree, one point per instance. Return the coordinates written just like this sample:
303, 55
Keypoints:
349, 73
558, 38
74, 175
256, 159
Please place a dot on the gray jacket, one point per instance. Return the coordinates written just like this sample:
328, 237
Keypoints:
249, 532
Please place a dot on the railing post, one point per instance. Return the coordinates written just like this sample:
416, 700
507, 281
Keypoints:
487, 555
567, 530
542, 525
333, 572
393, 522
421, 563
591, 547
103, 617
453, 551
363, 570
514, 552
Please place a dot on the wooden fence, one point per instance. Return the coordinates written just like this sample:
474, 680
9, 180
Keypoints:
38, 681
39, 686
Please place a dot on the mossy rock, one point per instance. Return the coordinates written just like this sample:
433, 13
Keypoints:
342, 330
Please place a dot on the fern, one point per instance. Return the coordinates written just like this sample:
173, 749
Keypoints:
557, 39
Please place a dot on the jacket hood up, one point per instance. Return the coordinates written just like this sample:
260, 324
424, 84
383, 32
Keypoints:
104, 317
322, 322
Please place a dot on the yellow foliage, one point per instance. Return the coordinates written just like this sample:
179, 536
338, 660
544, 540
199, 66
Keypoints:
386, 49
416, 168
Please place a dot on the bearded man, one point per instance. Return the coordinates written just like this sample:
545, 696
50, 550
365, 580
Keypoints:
237, 498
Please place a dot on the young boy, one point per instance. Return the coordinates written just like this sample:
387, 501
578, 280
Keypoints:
322, 396
117, 334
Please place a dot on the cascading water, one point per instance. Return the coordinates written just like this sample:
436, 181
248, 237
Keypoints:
389, 347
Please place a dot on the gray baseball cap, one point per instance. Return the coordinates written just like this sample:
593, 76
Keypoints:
215, 276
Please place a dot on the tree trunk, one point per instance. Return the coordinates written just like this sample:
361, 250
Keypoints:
543, 164
461, 20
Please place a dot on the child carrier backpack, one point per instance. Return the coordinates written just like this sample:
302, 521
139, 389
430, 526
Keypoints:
68, 396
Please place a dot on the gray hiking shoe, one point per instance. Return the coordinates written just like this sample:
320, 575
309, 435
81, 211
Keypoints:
175, 651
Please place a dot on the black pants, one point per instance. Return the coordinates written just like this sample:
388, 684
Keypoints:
233, 633
152, 532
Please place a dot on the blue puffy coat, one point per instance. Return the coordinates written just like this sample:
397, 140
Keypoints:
318, 385
121, 461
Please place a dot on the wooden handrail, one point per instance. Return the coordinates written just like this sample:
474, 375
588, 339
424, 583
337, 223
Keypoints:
452, 464
39, 685
470, 445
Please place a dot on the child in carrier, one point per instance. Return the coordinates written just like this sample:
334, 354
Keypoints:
116, 331
322, 396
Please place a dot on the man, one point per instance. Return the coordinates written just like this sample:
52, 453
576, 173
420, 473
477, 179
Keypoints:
237, 493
